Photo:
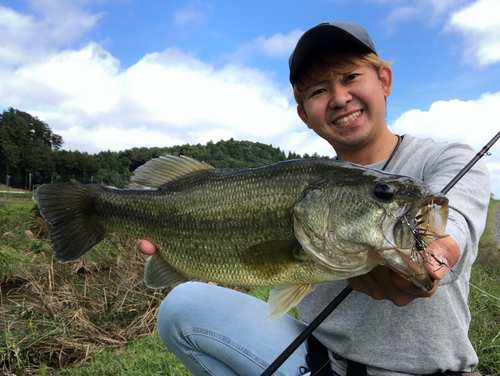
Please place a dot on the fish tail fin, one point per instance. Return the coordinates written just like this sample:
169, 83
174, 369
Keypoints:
283, 298
65, 206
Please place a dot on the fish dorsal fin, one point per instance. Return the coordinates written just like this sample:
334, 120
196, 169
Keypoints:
283, 298
159, 171
158, 273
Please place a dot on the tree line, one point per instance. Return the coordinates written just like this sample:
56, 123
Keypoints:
28, 146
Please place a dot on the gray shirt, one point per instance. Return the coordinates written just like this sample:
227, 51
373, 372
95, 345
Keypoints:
427, 335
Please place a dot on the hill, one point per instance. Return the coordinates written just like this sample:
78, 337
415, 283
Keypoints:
28, 146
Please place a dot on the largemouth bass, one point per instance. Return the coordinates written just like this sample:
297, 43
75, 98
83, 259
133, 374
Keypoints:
291, 224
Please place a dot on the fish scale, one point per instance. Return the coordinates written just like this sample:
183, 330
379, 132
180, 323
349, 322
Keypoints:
291, 224
168, 225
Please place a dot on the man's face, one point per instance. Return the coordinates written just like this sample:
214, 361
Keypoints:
349, 111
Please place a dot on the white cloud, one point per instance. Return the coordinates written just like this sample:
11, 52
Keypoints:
185, 92
111, 137
70, 80
303, 140
471, 122
194, 14
493, 165
480, 25
51, 25
166, 98
277, 45
431, 11
478, 22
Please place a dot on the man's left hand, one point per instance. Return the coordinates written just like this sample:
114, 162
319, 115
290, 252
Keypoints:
383, 283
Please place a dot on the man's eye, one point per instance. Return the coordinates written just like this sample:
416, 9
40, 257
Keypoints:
317, 92
352, 76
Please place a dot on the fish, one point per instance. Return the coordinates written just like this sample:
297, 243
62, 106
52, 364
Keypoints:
291, 224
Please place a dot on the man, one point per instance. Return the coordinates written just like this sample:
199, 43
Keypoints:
341, 87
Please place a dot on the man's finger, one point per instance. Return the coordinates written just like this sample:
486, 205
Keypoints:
146, 247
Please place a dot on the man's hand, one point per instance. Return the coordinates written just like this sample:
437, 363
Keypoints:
146, 246
384, 284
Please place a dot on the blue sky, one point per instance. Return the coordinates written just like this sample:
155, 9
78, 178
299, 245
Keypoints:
115, 74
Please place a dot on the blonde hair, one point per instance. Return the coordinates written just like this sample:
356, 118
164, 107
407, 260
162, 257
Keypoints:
331, 63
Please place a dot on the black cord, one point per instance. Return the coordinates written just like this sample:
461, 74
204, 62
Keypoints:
307, 332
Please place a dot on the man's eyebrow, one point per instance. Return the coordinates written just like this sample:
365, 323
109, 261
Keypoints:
318, 83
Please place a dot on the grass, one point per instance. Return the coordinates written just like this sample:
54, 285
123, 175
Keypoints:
484, 332
95, 317
145, 356
20, 200
69, 311
3, 187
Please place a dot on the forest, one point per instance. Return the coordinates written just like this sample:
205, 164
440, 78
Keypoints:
31, 152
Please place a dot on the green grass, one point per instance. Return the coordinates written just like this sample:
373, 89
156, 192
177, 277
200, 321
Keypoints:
484, 332
16, 204
95, 317
15, 201
145, 357
3, 187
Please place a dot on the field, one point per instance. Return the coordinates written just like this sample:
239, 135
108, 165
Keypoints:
95, 317
14, 198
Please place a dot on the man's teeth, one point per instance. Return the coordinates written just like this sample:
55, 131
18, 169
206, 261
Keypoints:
347, 119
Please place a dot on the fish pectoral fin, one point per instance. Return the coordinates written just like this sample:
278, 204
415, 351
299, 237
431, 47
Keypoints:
273, 251
158, 273
283, 298
273, 257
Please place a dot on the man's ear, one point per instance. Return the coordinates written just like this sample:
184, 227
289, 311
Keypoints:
303, 115
386, 80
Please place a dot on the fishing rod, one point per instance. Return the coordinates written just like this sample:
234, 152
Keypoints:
273, 367
473, 161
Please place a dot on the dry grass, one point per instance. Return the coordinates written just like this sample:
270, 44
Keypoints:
70, 310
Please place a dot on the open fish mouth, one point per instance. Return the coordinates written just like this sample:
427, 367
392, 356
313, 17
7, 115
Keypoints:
430, 221
393, 233
409, 235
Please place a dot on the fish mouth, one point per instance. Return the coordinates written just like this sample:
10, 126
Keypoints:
409, 233
416, 218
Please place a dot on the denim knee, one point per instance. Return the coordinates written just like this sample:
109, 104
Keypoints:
175, 310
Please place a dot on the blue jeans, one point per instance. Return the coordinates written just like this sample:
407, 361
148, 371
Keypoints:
216, 331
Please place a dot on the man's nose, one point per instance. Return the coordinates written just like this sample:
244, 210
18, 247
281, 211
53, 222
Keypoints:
340, 96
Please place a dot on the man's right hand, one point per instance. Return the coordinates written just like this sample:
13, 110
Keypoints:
146, 246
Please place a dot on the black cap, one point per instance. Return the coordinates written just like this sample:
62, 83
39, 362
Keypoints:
327, 32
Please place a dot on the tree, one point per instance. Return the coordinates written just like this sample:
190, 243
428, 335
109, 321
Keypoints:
27, 145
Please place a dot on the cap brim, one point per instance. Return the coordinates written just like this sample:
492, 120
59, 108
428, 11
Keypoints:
317, 36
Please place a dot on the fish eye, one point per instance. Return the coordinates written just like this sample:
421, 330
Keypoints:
384, 192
